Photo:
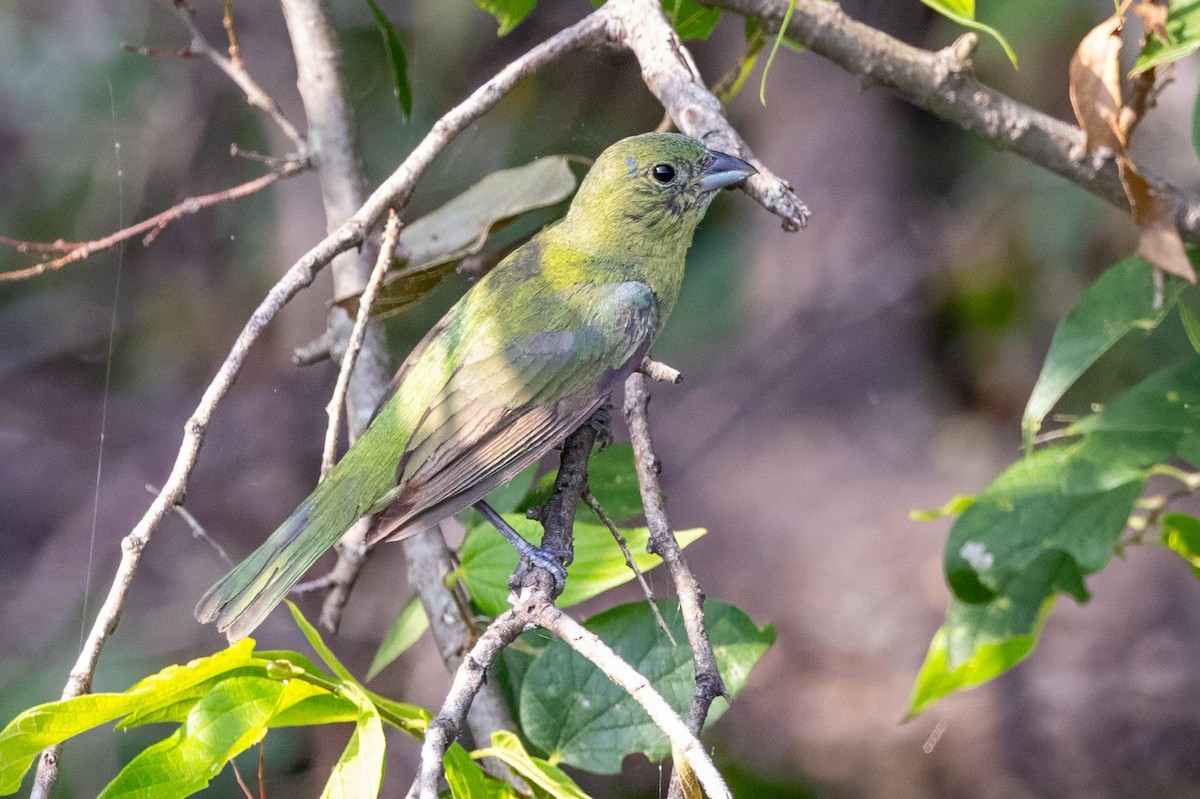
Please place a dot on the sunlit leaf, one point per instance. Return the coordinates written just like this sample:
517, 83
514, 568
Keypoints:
509, 13
1181, 534
690, 19
359, 771
488, 560
956, 505
463, 775
230, 718
539, 773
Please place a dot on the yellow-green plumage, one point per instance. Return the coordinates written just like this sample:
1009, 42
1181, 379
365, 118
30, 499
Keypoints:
525, 357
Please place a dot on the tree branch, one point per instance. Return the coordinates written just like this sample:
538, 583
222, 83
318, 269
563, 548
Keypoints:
672, 76
152, 226
709, 684
941, 82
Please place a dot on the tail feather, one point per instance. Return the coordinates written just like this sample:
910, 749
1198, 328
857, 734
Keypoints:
240, 601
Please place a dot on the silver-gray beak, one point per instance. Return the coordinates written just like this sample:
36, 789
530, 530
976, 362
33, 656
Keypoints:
723, 170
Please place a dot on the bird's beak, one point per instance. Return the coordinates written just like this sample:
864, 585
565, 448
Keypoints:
722, 170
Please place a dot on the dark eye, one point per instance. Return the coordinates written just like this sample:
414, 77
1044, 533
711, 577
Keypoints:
663, 173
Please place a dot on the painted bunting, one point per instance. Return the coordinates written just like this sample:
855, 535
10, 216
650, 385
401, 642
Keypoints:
528, 354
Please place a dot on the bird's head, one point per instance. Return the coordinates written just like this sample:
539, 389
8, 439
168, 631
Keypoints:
653, 187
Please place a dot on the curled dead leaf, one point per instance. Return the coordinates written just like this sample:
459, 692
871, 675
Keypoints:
1154, 213
1095, 85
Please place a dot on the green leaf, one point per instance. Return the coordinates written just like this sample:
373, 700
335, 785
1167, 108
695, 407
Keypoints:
463, 775
359, 771
395, 54
690, 19
779, 39
956, 505
539, 773
1121, 301
44, 725
976, 644
409, 626
318, 645
1191, 325
1183, 30
1049, 521
612, 477
487, 561
440, 239
1181, 534
232, 717
963, 12
510, 496
508, 13
569, 709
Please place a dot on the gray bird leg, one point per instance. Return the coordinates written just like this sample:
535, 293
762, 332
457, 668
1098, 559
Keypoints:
530, 554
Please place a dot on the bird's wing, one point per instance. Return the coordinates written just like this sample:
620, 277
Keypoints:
512, 398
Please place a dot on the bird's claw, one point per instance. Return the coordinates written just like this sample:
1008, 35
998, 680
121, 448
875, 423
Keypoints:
551, 560
601, 422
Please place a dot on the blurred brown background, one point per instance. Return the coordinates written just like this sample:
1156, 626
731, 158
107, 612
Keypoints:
835, 379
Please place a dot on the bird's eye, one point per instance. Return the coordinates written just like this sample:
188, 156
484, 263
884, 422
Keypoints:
663, 173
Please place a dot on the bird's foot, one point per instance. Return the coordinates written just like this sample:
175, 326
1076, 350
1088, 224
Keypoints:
552, 560
601, 422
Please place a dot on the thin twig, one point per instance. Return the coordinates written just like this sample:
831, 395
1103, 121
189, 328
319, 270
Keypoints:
941, 82
709, 684
198, 531
158, 52
590, 500
79, 250
390, 233
255, 95
235, 53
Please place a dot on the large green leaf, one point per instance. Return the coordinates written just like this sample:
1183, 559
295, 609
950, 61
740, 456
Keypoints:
963, 12
488, 561
1183, 30
45, 725
1049, 521
1121, 301
230, 718
578, 716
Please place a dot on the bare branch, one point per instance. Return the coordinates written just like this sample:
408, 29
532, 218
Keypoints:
79, 250
390, 233
672, 76
709, 684
941, 82
236, 71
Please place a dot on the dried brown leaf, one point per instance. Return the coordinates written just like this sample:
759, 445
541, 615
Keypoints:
688, 781
1154, 214
1095, 85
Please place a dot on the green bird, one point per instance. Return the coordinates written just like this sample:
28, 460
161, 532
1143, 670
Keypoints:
527, 355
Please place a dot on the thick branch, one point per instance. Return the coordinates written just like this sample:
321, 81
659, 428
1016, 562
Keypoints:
941, 83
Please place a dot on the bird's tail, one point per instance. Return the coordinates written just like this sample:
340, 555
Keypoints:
242, 598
